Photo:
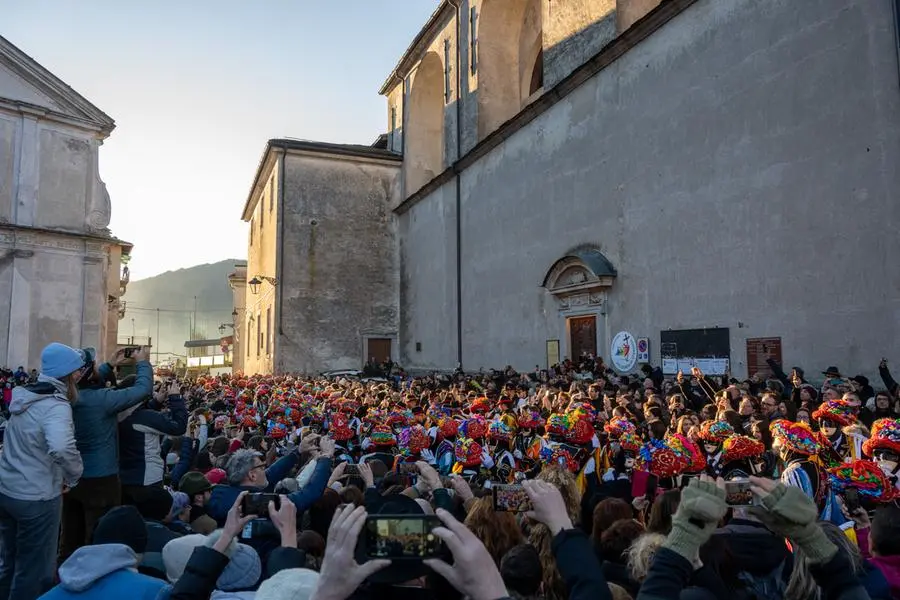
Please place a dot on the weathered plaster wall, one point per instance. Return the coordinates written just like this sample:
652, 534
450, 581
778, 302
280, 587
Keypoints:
737, 166
340, 278
259, 315
574, 31
629, 11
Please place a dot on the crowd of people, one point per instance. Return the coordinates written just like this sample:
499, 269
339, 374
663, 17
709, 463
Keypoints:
631, 486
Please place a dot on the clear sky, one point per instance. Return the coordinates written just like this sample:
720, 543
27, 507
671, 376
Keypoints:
197, 87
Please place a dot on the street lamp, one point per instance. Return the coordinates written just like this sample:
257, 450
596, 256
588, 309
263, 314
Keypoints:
257, 281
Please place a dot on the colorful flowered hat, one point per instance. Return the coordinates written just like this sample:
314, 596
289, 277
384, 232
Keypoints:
395, 418
382, 435
339, 428
836, 411
689, 451
582, 410
414, 439
276, 430
796, 437
630, 442
581, 432
659, 459
558, 424
530, 419
480, 405
561, 457
448, 426
467, 452
885, 436
741, 447
349, 406
475, 428
715, 432
867, 477
617, 427
500, 432
220, 422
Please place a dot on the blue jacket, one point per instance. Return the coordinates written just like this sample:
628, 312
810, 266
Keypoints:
105, 571
223, 496
96, 420
140, 442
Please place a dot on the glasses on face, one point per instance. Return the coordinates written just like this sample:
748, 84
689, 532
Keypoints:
769, 404
259, 466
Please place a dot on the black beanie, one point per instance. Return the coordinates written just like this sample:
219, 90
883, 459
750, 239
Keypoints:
122, 525
155, 503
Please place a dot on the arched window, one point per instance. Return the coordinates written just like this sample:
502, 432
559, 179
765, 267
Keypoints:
510, 39
425, 131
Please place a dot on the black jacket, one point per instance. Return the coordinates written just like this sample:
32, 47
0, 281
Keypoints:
578, 566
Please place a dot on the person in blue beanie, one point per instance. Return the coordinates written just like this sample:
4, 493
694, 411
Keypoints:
39, 461
96, 425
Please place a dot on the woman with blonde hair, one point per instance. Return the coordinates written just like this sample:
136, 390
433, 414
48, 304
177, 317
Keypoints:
542, 539
38, 463
641, 553
498, 531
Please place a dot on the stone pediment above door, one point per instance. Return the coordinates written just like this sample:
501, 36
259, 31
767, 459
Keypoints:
28, 86
580, 278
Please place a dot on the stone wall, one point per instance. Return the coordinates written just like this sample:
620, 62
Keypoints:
737, 168
339, 273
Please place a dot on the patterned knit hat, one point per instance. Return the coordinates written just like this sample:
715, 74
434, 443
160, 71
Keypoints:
715, 432
796, 437
885, 436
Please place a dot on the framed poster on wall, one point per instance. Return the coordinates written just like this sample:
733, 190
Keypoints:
708, 349
552, 353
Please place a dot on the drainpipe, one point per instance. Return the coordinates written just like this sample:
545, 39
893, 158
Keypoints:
279, 265
459, 70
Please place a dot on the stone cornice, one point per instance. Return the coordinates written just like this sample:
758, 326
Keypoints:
21, 238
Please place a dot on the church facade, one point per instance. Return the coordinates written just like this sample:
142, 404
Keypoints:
691, 179
61, 273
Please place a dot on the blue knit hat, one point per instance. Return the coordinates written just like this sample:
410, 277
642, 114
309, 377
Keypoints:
59, 360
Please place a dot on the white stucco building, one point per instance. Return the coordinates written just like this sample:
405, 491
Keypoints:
60, 268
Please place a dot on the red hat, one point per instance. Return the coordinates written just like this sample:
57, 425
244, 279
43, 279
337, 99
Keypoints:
581, 433
740, 447
467, 452
448, 427
661, 460
867, 477
216, 476
480, 405
339, 428
530, 419
715, 432
796, 437
617, 427
689, 451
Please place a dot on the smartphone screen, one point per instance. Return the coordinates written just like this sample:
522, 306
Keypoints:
511, 498
258, 504
738, 493
402, 537
351, 470
851, 499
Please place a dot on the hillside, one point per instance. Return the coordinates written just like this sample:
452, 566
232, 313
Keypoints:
173, 293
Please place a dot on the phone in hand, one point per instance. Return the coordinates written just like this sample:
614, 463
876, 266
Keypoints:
402, 537
738, 492
351, 470
851, 499
129, 352
258, 504
407, 468
511, 498
644, 483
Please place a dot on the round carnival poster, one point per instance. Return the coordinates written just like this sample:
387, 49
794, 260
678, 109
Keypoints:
623, 352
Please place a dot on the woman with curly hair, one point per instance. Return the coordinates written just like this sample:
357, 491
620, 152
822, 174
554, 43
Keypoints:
498, 531
541, 538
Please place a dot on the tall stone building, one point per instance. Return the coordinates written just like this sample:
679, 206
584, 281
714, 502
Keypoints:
715, 177
61, 271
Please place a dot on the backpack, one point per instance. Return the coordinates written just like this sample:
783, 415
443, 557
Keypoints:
764, 587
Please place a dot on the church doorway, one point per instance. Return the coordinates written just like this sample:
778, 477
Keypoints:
378, 349
582, 337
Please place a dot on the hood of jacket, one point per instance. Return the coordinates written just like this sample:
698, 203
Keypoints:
753, 548
221, 595
47, 388
890, 568
91, 563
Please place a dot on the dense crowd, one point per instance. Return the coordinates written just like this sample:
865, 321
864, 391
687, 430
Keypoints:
571, 482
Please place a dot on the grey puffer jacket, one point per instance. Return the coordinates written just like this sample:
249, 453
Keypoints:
39, 453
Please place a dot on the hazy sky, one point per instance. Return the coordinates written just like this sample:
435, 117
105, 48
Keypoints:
197, 87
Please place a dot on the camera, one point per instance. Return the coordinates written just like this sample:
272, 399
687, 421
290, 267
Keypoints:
258, 504
400, 537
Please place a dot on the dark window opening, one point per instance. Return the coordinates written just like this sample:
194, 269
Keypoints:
537, 74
